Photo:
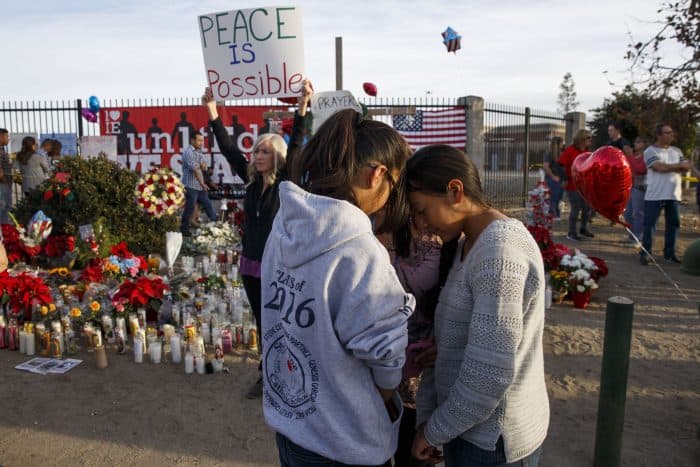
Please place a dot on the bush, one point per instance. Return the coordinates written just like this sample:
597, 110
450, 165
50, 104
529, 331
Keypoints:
98, 189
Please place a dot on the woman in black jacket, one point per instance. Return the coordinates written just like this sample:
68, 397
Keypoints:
267, 168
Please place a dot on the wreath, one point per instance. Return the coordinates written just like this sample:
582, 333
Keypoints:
160, 192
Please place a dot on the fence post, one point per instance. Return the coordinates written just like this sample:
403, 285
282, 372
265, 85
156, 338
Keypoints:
613, 382
574, 121
338, 63
526, 157
80, 118
475, 148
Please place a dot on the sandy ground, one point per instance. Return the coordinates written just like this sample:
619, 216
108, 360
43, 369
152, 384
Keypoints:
145, 414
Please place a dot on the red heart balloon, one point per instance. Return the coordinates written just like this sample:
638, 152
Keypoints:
370, 89
604, 179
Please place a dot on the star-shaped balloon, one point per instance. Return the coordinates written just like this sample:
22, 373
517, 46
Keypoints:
452, 40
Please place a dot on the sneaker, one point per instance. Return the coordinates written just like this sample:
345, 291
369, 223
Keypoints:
672, 259
255, 391
643, 260
574, 237
587, 233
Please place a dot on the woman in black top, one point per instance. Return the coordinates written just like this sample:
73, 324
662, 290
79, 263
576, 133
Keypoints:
267, 168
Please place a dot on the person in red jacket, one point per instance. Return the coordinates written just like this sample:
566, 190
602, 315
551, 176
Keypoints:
577, 205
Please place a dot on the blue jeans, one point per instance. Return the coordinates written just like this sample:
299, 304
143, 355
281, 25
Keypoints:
192, 197
652, 209
578, 205
293, 455
461, 453
634, 212
556, 193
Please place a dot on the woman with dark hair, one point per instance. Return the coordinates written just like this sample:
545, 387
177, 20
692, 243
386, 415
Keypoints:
32, 165
262, 175
334, 312
485, 400
53, 150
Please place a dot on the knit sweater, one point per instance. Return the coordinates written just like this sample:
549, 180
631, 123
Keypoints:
488, 380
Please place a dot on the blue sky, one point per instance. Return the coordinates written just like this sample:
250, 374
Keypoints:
512, 52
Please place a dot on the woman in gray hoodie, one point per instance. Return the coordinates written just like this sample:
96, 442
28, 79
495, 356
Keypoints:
334, 312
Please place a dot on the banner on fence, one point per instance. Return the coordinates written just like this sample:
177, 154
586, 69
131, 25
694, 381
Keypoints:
325, 104
253, 53
156, 136
69, 142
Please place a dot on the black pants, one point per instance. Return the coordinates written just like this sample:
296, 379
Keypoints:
253, 290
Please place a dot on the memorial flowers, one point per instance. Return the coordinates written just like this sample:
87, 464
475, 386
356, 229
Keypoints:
160, 193
214, 236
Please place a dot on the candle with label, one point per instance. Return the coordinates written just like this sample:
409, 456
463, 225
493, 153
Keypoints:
138, 349
3, 331
29, 344
189, 363
100, 357
175, 349
155, 351
200, 362
22, 341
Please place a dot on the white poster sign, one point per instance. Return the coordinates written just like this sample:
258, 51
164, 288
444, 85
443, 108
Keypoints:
16, 141
325, 104
92, 146
253, 53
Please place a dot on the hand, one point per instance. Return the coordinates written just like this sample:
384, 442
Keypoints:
423, 450
426, 358
209, 103
555, 178
304, 100
685, 165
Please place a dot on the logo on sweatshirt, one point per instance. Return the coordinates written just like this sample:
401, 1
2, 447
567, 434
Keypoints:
290, 373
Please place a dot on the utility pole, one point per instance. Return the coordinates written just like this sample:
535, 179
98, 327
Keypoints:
338, 63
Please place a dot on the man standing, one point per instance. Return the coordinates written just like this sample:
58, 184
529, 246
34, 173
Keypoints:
617, 140
664, 165
5, 178
196, 190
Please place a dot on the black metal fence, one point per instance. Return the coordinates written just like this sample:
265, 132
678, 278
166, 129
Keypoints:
516, 139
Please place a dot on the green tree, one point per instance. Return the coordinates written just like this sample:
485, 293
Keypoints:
638, 111
566, 100
665, 76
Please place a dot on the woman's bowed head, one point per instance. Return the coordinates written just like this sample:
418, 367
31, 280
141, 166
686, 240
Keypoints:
448, 197
358, 160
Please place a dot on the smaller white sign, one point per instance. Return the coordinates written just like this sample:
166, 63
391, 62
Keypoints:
325, 104
93, 146
16, 140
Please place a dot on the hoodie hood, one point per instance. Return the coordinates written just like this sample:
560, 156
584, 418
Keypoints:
309, 225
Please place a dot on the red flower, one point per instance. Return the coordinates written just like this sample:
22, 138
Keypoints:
121, 250
602, 270
48, 194
171, 190
93, 273
141, 291
23, 291
57, 245
143, 264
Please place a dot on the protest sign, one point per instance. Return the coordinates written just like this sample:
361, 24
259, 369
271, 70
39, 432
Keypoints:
325, 104
253, 53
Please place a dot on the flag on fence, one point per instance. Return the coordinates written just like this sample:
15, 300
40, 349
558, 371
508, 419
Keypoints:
444, 126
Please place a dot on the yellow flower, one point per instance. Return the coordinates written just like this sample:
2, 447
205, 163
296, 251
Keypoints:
63, 272
44, 310
75, 312
94, 306
52, 307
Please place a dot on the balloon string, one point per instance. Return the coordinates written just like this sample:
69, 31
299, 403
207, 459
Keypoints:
658, 266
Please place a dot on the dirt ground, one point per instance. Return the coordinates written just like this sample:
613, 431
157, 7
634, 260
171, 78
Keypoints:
145, 414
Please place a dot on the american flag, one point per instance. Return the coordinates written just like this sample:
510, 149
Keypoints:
445, 126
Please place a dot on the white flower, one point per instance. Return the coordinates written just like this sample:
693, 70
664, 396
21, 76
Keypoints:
580, 288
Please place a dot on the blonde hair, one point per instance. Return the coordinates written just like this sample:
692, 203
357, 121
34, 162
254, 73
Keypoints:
580, 137
280, 149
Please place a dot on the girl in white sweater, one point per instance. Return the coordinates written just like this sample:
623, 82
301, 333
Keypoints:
485, 401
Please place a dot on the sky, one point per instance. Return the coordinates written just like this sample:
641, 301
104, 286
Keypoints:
513, 52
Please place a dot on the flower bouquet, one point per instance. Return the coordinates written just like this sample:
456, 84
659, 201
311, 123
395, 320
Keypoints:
22, 292
214, 236
160, 193
144, 292
581, 284
559, 280
123, 262
37, 230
